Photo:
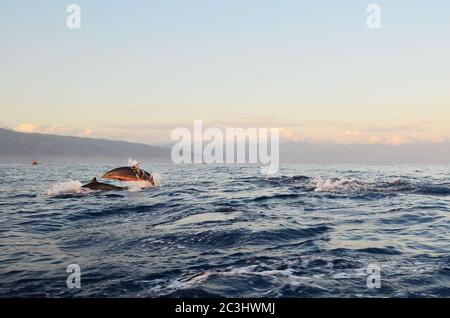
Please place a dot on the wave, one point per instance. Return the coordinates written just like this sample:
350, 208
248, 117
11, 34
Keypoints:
218, 239
320, 184
311, 274
355, 185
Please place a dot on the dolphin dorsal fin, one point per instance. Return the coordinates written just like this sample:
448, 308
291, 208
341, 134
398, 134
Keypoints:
94, 180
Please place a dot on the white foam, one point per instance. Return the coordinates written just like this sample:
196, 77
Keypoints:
156, 179
185, 284
136, 186
285, 276
67, 187
331, 184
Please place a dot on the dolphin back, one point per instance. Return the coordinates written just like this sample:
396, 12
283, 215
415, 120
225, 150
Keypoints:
98, 186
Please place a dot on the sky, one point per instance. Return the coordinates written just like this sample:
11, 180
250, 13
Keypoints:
136, 70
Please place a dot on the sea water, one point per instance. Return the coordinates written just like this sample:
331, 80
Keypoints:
227, 231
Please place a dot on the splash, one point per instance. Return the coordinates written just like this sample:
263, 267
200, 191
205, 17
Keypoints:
136, 186
353, 185
134, 163
136, 166
67, 187
156, 179
334, 184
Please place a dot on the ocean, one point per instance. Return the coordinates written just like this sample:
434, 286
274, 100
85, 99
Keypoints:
227, 231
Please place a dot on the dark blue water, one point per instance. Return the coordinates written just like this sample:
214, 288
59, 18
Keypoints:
227, 231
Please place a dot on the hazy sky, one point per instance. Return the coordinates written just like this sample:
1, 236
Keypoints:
137, 69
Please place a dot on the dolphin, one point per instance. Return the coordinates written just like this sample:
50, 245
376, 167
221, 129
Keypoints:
95, 185
134, 173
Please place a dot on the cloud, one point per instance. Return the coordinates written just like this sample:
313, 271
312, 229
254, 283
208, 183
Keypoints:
288, 134
55, 129
313, 132
394, 139
26, 128
86, 133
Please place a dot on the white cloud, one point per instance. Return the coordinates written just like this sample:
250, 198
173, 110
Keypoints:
159, 133
54, 129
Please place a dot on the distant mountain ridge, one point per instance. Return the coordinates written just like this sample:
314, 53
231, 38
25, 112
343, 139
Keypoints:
24, 147
16, 146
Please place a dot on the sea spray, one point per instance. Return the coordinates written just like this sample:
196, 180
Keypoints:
67, 187
136, 186
156, 179
132, 163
